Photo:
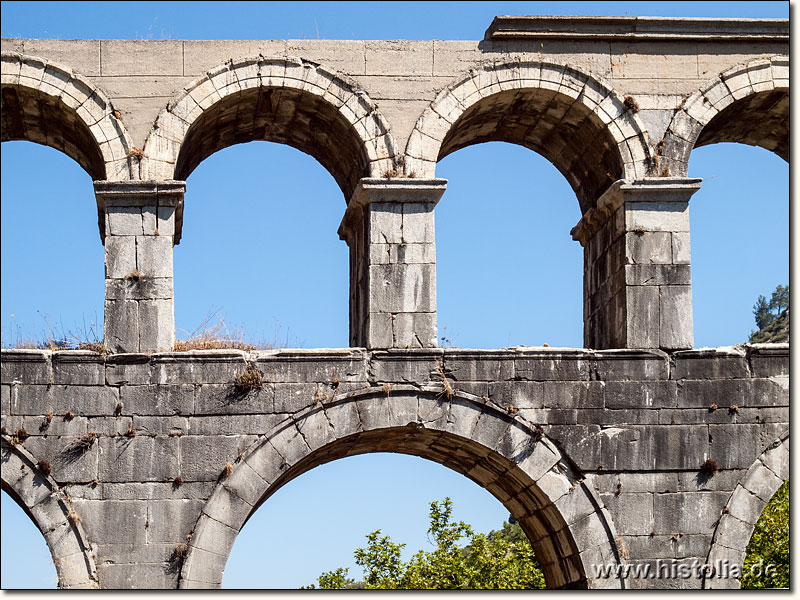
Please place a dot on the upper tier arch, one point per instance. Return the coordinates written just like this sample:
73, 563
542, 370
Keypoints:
575, 120
748, 103
49, 104
285, 100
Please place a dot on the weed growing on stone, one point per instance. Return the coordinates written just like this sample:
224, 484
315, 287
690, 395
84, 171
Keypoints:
249, 380
709, 467
631, 104
44, 467
448, 389
228, 470
73, 517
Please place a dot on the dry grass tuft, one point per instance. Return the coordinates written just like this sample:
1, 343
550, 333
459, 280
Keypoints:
178, 481
44, 467
131, 432
511, 409
631, 104
228, 470
134, 275
250, 379
136, 153
69, 415
73, 517
733, 409
709, 467
712, 408
447, 389
118, 409
213, 334
20, 436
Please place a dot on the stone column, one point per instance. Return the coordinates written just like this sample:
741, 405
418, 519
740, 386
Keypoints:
637, 268
389, 228
140, 221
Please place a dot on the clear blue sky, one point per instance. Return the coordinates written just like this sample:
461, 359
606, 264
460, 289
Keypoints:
275, 267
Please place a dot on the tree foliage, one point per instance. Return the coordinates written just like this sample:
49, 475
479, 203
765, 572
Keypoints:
766, 563
461, 559
772, 317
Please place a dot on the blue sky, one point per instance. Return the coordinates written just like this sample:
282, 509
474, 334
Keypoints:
52, 258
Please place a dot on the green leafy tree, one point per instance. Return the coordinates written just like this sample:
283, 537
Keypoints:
772, 317
461, 559
766, 563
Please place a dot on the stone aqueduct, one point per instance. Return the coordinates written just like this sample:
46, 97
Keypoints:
595, 451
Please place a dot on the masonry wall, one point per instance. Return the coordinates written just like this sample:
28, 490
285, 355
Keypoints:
636, 425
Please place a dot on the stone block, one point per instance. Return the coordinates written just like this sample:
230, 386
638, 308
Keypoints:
628, 365
172, 520
649, 248
640, 394
78, 368
204, 366
642, 307
402, 288
386, 223
140, 458
702, 393
761, 481
123, 370
83, 400
29, 399
380, 331
710, 363
121, 326
566, 395
658, 274
226, 399
687, 512
114, 521
418, 224
141, 576
141, 57
148, 288
154, 255
233, 424
29, 367
203, 569
157, 399
520, 394
551, 366
124, 221
411, 330
632, 512
203, 458
657, 216
745, 505
383, 58
676, 331
165, 426
348, 366
406, 366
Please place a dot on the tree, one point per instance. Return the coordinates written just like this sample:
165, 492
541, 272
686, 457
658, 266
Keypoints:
461, 559
766, 563
772, 318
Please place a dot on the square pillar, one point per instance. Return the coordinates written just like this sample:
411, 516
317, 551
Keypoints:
140, 221
389, 228
637, 267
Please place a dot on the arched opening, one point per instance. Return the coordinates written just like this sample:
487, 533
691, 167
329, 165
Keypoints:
561, 128
320, 530
29, 114
283, 115
508, 272
26, 559
261, 216
51, 257
559, 513
739, 218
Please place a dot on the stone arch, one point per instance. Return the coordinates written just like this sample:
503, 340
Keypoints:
48, 506
285, 100
49, 104
575, 120
748, 103
739, 518
569, 527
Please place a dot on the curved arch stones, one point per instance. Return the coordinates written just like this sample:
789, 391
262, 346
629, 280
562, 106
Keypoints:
744, 508
738, 83
560, 512
83, 104
351, 103
601, 102
49, 506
